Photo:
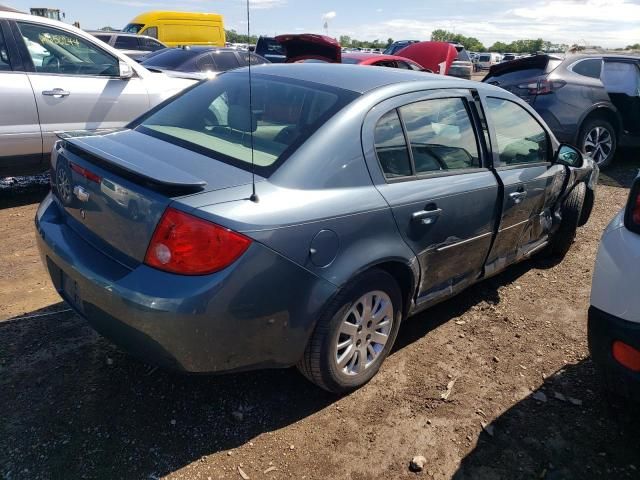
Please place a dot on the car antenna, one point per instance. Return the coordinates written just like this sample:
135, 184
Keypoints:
253, 197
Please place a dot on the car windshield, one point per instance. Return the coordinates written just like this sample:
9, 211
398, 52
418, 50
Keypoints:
170, 59
214, 118
133, 28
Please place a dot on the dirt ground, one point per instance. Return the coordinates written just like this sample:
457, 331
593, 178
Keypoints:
524, 400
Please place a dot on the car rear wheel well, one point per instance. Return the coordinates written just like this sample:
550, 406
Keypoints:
603, 113
403, 275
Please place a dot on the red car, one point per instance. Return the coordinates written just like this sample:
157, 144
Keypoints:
308, 47
378, 60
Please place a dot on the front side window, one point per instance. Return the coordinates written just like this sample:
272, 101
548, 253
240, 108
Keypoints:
55, 51
151, 32
150, 44
588, 68
215, 119
4, 55
520, 137
391, 147
441, 135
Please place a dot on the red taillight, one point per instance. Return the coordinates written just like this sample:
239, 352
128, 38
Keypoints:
632, 211
542, 86
626, 355
188, 245
88, 174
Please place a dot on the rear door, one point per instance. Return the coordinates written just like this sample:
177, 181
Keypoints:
522, 155
20, 136
76, 83
621, 80
441, 192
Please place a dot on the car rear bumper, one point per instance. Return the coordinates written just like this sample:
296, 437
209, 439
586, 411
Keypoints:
257, 313
603, 330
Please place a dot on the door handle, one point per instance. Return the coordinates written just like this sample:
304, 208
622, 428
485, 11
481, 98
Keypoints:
517, 197
56, 92
426, 217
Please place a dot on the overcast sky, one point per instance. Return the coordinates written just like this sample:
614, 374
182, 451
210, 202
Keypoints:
609, 23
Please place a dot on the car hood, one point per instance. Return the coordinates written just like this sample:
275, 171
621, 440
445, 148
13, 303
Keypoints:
436, 56
307, 46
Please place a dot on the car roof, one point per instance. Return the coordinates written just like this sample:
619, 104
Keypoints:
118, 33
359, 79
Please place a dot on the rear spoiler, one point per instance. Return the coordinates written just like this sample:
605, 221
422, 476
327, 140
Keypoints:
165, 178
536, 61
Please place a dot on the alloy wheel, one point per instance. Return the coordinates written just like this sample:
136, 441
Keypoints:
364, 332
598, 144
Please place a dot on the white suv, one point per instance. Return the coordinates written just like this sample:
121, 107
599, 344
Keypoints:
614, 315
56, 77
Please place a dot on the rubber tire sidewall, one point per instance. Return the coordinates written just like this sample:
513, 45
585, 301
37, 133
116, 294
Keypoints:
318, 364
600, 122
571, 213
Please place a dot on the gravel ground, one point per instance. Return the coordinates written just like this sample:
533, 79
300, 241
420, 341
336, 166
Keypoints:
494, 383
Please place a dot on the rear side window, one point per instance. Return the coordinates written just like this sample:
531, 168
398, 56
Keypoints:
588, 68
124, 42
391, 146
251, 57
104, 38
441, 135
215, 119
150, 44
520, 137
205, 63
4, 55
226, 61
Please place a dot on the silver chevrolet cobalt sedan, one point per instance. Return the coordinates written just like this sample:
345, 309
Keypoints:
300, 228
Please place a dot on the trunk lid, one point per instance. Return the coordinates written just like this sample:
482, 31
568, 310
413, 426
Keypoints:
514, 76
115, 186
310, 46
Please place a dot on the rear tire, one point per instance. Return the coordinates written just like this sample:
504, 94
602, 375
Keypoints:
344, 351
563, 238
598, 140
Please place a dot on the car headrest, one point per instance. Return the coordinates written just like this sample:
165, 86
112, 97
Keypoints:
242, 119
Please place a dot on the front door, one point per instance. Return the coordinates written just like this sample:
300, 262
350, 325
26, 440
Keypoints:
76, 83
435, 180
522, 156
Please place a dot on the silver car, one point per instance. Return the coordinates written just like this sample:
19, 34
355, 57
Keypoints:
56, 77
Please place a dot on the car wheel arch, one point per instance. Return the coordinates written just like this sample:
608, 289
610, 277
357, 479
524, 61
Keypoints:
605, 112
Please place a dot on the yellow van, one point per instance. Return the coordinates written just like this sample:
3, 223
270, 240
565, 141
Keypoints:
180, 28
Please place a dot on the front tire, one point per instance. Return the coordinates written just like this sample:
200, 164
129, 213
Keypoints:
355, 334
598, 140
571, 214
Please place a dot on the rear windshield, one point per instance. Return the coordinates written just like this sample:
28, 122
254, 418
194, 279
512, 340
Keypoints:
214, 118
170, 59
484, 58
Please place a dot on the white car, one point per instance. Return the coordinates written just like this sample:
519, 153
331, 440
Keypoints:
55, 77
614, 315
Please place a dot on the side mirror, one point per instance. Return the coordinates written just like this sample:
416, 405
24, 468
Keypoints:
125, 70
569, 156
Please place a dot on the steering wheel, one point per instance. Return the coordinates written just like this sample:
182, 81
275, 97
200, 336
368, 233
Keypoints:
51, 62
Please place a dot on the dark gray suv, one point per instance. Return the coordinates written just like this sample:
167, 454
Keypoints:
587, 100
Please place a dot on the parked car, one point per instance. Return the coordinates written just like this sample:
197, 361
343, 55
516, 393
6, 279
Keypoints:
200, 62
56, 77
507, 57
270, 48
132, 45
309, 46
346, 230
488, 60
591, 101
397, 46
380, 60
180, 28
462, 66
614, 314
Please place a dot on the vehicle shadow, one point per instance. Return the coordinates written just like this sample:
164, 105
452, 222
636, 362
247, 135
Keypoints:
80, 407
550, 433
78, 403
623, 170
20, 191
